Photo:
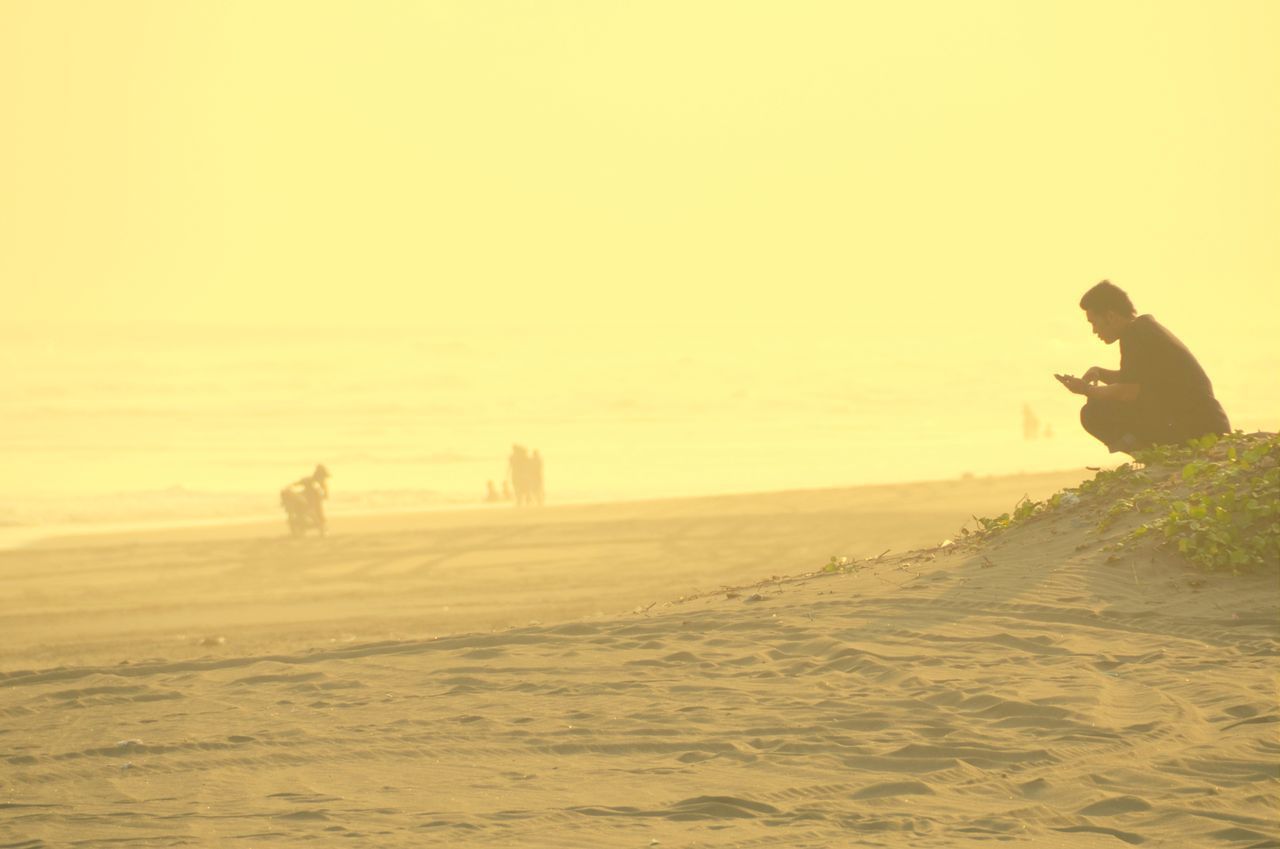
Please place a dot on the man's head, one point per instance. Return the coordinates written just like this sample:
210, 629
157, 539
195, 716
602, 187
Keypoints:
1108, 309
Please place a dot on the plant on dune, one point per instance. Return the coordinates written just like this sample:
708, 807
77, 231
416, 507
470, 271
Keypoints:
1226, 513
840, 564
1024, 509
1104, 485
1216, 501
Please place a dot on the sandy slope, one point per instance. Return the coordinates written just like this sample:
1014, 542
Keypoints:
1029, 692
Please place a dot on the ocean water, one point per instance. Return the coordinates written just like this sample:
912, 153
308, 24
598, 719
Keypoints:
177, 423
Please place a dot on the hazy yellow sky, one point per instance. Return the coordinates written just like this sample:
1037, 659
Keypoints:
818, 164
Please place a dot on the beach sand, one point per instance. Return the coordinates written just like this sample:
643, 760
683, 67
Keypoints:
664, 673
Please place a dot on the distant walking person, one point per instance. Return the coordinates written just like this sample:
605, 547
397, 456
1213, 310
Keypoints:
1159, 395
1030, 423
518, 470
536, 486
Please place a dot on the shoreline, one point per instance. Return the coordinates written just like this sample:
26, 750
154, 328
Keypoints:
62, 535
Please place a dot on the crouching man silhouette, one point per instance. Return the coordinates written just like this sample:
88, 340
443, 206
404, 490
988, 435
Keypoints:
1159, 395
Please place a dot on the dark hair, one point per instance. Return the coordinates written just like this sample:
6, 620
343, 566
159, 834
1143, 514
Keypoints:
1107, 297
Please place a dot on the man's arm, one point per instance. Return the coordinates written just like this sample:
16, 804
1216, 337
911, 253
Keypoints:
1114, 392
1106, 375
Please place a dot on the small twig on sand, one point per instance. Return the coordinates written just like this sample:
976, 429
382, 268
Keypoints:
882, 554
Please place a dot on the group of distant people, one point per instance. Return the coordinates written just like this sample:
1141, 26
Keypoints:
524, 481
303, 500
1159, 395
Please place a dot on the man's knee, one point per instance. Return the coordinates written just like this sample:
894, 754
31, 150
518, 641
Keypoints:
1110, 422
1098, 417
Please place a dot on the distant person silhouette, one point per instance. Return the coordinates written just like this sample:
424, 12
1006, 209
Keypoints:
1159, 395
537, 491
303, 502
491, 493
1030, 423
518, 471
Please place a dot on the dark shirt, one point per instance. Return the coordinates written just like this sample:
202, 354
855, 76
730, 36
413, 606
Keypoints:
1173, 389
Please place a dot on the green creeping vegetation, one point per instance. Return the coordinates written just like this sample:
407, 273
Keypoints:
840, 564
1215, 500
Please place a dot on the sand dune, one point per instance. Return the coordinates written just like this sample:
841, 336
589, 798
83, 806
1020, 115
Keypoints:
1028, 691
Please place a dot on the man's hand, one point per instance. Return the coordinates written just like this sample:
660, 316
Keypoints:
1073, 383
1093, 375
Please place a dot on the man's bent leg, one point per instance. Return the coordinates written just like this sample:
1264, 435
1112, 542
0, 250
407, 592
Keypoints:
1115, 423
